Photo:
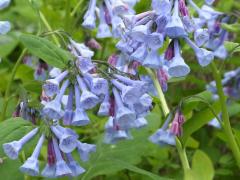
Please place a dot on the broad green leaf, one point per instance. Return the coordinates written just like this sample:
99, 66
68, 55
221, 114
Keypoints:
198, 120
202, 167
9, 169
13, 129
232, 46
46, 50
7, 44
109, 164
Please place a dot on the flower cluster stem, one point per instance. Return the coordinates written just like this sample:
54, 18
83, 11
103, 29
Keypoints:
181, 150
225, 116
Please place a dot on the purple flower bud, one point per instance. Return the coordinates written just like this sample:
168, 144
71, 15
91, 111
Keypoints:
85, 149
62, 168
163, 77
31, 166
92, 43
12, 149
176, 127
112, 60
169, 54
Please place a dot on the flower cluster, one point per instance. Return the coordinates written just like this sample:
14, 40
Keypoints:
144, 34
108, 12
5, 26
67, 97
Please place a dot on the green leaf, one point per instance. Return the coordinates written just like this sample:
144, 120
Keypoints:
7, 44
13, 129
9, 169
108, 165
202, 167
198, 120
231, 27
46, 50
232, 46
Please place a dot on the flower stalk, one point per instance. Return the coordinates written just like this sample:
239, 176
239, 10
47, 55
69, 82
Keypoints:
225, 116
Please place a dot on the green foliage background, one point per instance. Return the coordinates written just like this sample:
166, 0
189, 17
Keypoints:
136, 159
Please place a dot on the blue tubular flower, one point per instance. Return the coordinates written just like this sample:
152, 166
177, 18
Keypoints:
177, 67
143, 106
105, 106
103, 28
74, 166
67, 141
124, 46
124, 116
162, 7
139, 123
139, 32
129, 94
51, 87
53, 108
153, 60
209, 2
85, 149
154, 40
84, 64
12, 149
221, 52
4, 4
161, 22
142, 85
80, 49
201, 36
119, 7
113, 132
204, 56
89, 17
31, 166
163, 136
62, 168
80, 116
49, 171
140, 53
175, 28
5, 26
88, 100
98, 86
68, 114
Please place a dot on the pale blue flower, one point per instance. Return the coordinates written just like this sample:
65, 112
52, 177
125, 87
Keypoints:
51, 87
153, 60
162, 7
103, 28
80, 116
12, 149
62, 168
201, 36
49, 171
177, 67
68, 114
84, 64
74, 166
85, 149
67, 141
4, 4
89, 17
31, 165
88, 100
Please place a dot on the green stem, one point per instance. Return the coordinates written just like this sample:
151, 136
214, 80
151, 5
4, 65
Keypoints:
225, 116
76, 8
163, 102
182, 155
7, 92
181, 150
45, 22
